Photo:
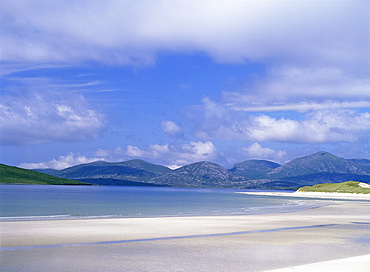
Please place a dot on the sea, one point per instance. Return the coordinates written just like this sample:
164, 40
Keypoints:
53, 202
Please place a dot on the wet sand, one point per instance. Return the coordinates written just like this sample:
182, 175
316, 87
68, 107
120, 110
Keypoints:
215, 243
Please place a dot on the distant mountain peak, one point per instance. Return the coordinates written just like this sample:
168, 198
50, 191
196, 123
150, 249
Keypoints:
97, 163
319, 162
321, 154
253, 169
201, 164
199, 174
256, 163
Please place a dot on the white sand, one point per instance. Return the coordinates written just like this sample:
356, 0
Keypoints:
364, 185
354, 264
234, 243
314, 195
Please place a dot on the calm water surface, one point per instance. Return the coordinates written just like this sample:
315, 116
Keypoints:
37, 202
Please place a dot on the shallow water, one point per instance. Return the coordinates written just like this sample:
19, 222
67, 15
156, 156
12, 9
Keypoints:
40, 202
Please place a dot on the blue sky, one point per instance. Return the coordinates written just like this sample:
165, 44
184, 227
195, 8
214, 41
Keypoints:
175, 82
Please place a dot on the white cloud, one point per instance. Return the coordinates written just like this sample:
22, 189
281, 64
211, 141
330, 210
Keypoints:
61, 163
175, 156
39, 117
171, 128
284, 85
304, 106
256, 151
113, 31
321, 126
134, 151
318, 127
12, 68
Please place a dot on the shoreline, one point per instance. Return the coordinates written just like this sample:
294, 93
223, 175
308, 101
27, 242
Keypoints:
343, 196
336, 230
283, 209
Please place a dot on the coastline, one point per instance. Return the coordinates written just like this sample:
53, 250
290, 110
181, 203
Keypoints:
344, 196
334, 231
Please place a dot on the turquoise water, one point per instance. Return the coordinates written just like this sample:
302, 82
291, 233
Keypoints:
38, 202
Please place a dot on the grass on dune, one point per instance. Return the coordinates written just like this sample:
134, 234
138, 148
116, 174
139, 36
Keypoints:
344, 187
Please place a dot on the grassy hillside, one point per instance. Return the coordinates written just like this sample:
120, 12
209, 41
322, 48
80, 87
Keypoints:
344, 187
12, 175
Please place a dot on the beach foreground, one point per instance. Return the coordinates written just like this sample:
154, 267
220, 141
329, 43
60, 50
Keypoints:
338, 230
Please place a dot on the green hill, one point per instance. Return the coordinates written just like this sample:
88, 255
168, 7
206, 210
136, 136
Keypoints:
15, 175
353, 187
132, 172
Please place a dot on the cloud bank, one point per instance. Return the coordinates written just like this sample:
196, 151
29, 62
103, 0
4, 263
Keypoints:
308, 86
334, 33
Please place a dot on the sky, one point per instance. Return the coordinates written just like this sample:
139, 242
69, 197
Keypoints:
175, 82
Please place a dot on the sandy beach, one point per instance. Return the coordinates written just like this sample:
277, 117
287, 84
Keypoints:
344, 196
332, 233
360, 263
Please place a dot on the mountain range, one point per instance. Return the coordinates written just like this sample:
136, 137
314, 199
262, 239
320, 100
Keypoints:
251, 174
